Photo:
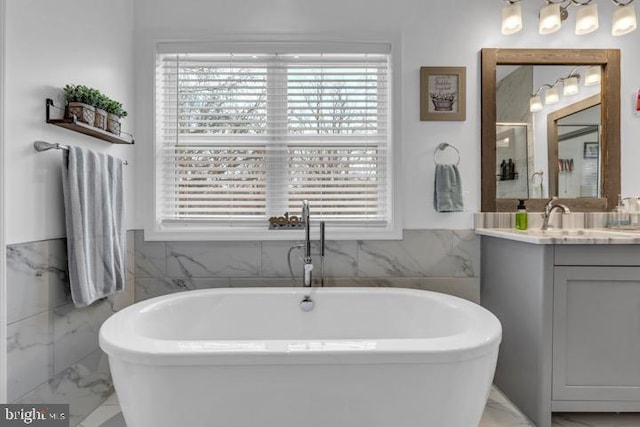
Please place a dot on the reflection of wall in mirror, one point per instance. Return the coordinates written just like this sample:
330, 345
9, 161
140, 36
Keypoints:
513, 88
512, 144
582, 181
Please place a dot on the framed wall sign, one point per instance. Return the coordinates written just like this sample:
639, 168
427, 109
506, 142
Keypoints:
591, 150
443, 93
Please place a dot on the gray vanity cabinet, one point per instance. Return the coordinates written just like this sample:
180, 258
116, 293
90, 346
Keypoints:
571, 325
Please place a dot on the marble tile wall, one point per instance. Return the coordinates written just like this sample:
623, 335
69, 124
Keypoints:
52, 349
442, 260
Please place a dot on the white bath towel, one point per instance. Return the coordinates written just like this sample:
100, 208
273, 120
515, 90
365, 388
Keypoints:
96, 238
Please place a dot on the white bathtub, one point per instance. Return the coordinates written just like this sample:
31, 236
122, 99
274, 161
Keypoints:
363, 357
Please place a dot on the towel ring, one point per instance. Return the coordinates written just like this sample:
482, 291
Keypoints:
539, 175
443, 146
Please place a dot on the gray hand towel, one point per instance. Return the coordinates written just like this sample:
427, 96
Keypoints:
447, 196
96, 238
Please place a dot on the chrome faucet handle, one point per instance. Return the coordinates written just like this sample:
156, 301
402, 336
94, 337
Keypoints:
308, 268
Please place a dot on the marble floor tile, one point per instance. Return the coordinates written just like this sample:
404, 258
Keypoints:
101, 415
502, 415
499, 412
112, 400
495, 396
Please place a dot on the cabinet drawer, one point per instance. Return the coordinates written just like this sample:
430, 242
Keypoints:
624, 255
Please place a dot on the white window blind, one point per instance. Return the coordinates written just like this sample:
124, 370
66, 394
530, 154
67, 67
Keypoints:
241, 137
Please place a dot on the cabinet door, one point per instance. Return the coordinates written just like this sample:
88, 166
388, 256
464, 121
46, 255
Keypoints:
596, 333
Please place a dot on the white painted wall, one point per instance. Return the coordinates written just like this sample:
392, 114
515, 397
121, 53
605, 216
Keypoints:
50, 44
3, 262
434, 32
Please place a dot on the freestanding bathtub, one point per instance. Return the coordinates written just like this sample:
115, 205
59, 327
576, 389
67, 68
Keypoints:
362, 357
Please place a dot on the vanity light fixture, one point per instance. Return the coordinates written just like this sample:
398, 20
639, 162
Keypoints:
550, 18
624, 18
511, 17
555, 12
587, 18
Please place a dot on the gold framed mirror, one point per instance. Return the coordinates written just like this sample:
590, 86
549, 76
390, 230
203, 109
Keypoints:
609, 138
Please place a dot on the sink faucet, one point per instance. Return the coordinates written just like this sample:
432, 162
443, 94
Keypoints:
550, 207
308, 266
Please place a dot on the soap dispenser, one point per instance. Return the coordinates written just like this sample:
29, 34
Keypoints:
521, 216
619, 216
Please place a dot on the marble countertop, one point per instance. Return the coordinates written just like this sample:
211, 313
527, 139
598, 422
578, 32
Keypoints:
566, 236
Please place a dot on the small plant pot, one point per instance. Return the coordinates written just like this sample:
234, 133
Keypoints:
101, 119
84, 113
113, 124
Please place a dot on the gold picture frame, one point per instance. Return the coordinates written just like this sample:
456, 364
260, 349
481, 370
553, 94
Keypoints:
443, 92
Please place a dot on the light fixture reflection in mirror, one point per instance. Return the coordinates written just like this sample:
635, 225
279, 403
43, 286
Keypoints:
535, 104
551, 96
592, 76
570, 86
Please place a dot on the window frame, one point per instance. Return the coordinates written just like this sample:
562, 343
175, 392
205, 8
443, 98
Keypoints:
240, 230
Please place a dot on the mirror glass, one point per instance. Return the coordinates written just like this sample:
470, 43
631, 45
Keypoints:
550, 129
578, 163
528, 154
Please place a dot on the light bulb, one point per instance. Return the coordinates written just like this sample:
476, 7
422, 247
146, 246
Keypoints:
624, 20
570, 86
592, 76
511, 18
551, 96
550, 20
535, 104
587, 19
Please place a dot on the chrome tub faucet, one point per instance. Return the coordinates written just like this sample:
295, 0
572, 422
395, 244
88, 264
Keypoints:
308, 266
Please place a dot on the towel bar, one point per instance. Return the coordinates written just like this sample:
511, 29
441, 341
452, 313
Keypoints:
44, 146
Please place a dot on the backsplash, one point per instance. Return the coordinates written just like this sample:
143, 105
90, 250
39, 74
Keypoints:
558, 220
441, 260
53, 353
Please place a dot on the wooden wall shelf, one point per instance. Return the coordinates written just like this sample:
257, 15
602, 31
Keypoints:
77, 126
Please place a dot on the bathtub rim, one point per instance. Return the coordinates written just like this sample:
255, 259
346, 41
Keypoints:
118, 340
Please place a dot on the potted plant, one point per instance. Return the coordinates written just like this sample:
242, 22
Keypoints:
115, 113
80, 100
101, 114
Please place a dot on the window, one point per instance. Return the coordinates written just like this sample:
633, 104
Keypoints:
246, 133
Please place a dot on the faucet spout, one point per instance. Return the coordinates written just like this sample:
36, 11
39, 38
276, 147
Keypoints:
549, 208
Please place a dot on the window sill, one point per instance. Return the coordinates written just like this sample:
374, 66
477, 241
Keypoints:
192, 232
